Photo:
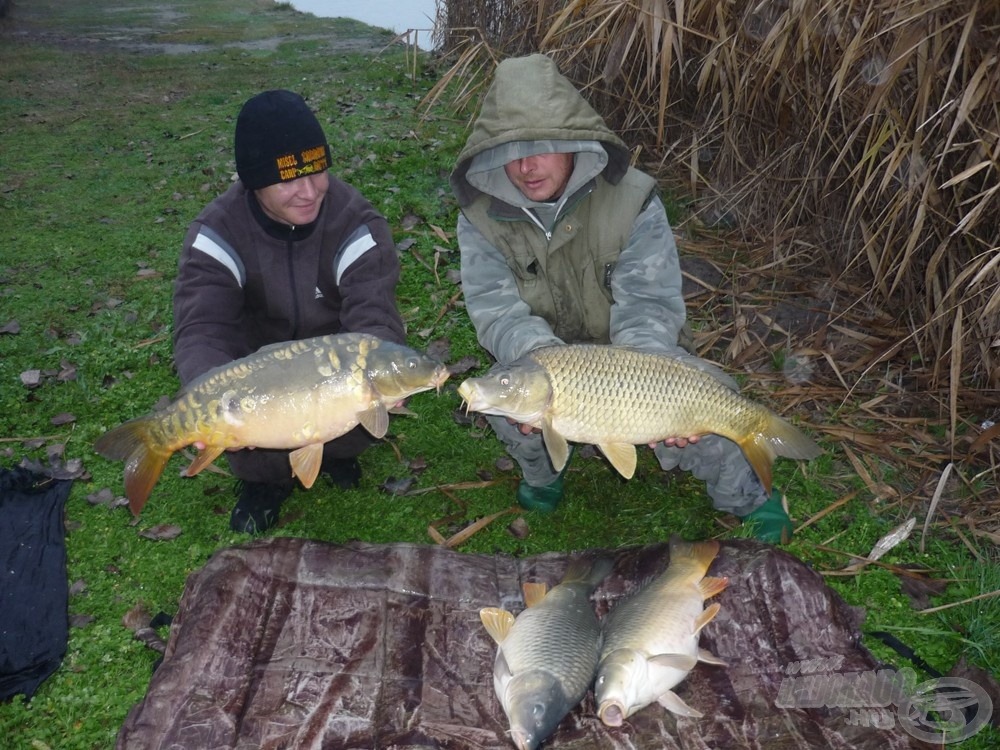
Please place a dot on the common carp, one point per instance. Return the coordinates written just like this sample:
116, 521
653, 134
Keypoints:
295, 395
547, 656
617, 397
651, 639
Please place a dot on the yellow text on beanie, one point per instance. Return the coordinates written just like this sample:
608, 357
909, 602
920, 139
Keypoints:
278, 139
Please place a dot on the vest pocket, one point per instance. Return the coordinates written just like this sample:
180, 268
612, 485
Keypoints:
524, 268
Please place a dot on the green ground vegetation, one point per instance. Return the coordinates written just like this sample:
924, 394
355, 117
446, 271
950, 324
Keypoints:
110, 148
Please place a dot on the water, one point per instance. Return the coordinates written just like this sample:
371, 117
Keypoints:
399, 15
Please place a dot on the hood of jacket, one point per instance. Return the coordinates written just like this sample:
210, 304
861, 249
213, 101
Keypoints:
531, 108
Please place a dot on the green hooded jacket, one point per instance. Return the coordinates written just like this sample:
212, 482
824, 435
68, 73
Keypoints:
600, 264
543, 273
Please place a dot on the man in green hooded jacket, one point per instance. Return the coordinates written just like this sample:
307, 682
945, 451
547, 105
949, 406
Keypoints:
562, 241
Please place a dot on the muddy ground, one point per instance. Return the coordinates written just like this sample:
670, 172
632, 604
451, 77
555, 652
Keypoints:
27, 20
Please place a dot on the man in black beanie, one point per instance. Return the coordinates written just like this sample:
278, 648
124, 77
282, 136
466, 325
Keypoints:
288, 252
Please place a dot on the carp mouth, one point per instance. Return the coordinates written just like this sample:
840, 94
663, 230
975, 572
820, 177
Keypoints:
612, 713
522, 740
470, 397
440, 376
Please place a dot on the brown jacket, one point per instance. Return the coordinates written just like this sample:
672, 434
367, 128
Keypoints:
244, 280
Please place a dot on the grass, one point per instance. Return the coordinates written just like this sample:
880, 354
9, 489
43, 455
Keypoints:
109, 153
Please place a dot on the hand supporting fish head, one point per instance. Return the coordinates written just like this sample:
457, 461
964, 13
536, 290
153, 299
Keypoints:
535, 703
520, 391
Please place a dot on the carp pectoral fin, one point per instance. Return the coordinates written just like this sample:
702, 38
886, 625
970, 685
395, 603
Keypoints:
621, 456
497, 622
707, 615
683, 662
375, 420
534, 593
710, 658
501, 668
673, 703
556, 445
710, 586
203, 459
306, 462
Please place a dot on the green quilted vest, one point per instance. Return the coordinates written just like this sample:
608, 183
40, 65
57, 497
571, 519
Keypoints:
567, 279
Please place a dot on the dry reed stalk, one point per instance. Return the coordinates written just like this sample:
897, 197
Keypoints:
853, 146
869, 124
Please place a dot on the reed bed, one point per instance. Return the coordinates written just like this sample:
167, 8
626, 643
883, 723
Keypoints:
864, 131
839, 156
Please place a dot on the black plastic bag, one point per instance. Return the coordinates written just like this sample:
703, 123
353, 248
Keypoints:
34, 619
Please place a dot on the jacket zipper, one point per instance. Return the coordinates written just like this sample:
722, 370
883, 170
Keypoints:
565, 209
289, 246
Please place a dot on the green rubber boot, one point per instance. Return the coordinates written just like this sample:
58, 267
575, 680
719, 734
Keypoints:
543, 499
770, 523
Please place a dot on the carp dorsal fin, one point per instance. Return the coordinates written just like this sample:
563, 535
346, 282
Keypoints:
707, 615
709, 658
203, 459
534, 593
684, 662
497, 622
673, 703
710, 586
556, 445
306, 462
621, 456
375, 419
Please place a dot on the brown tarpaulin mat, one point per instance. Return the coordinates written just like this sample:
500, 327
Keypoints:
290, 643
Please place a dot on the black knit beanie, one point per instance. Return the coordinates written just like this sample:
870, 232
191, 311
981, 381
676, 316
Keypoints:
278, 138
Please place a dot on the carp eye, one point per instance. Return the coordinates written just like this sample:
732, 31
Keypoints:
412, 363
505, 381
538, 711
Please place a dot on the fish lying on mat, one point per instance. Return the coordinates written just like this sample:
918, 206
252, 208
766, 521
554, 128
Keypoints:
547, 656
299, 394
617, 397
651, 639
